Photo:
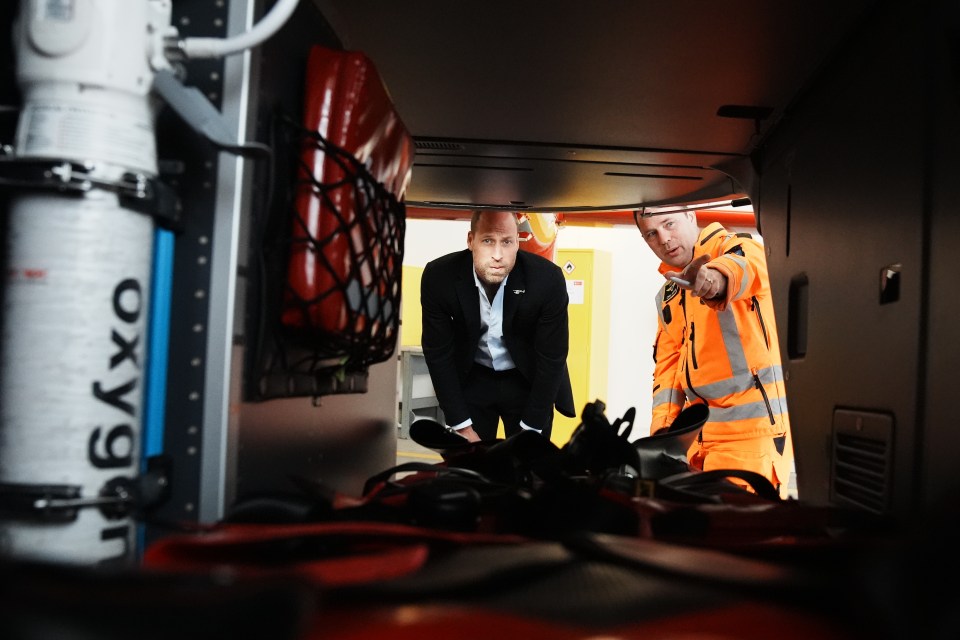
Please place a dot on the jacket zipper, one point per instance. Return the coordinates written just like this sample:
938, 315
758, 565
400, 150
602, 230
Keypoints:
763, 392
763, 327
693, 347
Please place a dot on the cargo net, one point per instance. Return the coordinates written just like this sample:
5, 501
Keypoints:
339, 265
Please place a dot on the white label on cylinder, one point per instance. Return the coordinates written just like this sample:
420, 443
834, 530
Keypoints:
64, 129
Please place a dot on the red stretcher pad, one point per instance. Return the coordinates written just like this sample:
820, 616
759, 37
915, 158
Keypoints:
331, 258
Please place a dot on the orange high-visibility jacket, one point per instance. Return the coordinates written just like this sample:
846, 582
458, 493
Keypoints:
724, 352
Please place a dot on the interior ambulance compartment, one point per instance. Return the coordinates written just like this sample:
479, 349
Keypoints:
835, 123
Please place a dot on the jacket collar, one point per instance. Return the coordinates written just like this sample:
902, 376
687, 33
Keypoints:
469, 296
467, 292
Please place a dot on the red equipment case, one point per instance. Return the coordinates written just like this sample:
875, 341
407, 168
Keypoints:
334, 258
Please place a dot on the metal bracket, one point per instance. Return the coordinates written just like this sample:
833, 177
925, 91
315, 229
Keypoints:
136, 191
59, 503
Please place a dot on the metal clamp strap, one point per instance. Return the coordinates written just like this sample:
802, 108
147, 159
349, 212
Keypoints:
136, 191
48, 502
59, 503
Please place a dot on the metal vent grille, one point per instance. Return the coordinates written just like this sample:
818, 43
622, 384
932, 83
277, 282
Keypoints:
437, 145
862, 460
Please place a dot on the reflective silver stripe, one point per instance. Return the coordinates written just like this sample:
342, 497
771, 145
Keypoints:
668, 396
747, 411
771, 374
731, 340
659, 302
659, 403
739, 383
779, 403
744, 279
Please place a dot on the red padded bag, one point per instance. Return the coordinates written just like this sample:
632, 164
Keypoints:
337, 256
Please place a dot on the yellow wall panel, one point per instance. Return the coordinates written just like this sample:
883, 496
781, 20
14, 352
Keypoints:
411, 318
587, 272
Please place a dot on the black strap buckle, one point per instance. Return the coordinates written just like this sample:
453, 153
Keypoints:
60, 503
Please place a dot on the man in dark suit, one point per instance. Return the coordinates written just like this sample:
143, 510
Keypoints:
495, 333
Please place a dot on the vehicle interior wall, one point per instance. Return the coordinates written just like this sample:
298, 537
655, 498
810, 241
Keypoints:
941, 437
855, 187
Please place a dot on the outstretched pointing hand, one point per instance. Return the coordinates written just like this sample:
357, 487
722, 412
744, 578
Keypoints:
701, 281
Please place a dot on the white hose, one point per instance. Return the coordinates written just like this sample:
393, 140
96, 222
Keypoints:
194, 48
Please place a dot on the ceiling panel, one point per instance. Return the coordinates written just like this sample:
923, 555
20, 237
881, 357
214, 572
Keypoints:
553, 105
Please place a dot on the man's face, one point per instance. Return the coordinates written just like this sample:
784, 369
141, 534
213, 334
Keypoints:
672, 236
494, 244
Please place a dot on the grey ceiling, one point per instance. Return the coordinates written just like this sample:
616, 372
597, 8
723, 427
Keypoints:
566, 105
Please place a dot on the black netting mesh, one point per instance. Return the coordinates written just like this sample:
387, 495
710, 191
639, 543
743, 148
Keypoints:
331, 273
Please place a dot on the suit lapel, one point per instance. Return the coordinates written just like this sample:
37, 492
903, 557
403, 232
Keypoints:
468, 295
513, 294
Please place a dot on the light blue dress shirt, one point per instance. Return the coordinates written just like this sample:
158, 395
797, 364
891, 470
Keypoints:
492, 352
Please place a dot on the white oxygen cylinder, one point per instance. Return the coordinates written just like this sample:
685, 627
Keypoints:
73, 350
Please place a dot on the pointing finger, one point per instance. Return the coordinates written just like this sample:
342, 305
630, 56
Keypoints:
692, 269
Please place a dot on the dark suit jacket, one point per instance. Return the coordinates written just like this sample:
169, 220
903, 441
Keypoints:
535, 331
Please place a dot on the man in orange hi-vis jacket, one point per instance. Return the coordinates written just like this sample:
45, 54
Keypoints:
717, 344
